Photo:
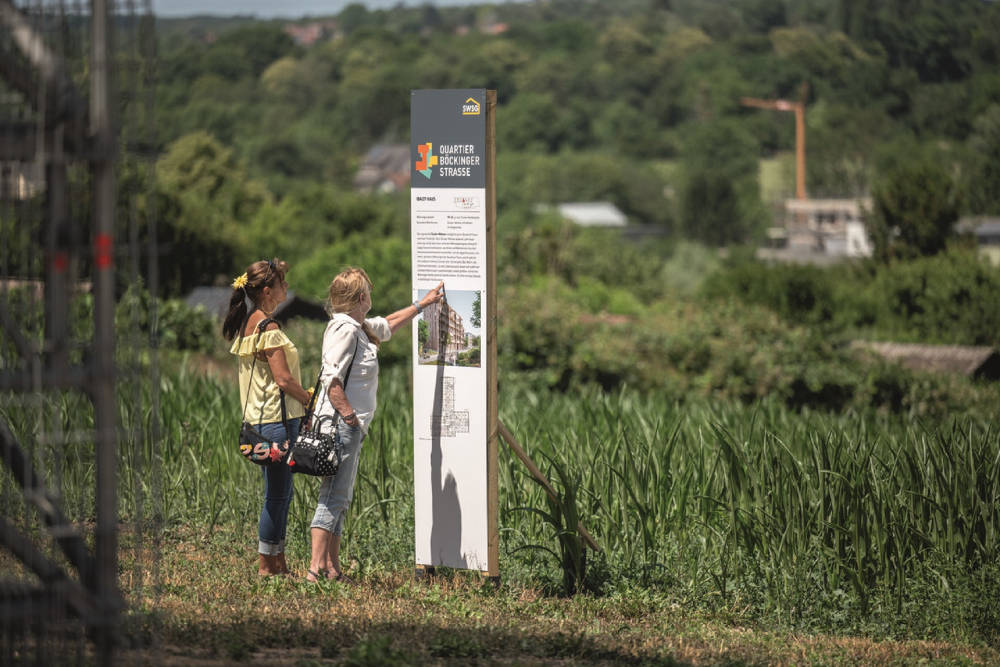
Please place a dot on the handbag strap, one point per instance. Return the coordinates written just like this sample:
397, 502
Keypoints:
350, 365
260, 332
312, 399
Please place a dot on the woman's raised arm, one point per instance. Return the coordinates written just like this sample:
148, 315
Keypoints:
404, 315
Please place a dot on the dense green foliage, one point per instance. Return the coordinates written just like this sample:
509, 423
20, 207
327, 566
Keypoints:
953, 297
140, 321
915, 209
636, 102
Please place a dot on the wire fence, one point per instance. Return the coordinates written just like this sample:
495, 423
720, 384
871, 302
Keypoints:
80, 485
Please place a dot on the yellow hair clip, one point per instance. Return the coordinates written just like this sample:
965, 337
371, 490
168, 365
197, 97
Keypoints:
240, 282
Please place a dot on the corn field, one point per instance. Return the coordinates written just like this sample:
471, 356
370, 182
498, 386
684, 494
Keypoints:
805, 517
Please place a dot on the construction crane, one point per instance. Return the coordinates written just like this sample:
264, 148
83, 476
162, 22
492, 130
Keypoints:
800, 131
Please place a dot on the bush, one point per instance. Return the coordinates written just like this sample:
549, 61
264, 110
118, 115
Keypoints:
386, 261
469, 357
723, 350
915, 209
314, 216
600, 262
178, 325
540, 330
803, 294
953, 297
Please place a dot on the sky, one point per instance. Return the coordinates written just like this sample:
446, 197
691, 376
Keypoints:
267, 9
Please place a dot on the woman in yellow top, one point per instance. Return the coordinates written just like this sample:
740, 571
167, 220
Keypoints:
269, 366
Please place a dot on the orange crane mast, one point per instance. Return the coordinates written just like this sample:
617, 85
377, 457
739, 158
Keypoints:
799, 108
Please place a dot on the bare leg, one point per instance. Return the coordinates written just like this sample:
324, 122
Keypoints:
320, 558
333, 557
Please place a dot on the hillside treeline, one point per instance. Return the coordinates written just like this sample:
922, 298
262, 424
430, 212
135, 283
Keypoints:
258, 139
638, 100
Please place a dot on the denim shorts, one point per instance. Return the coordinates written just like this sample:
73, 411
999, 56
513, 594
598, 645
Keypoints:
335, 492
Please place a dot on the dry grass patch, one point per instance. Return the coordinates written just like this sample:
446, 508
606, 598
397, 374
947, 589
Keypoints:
210, 607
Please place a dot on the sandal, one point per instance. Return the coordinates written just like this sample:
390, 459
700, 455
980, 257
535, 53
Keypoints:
316, 576
344, 579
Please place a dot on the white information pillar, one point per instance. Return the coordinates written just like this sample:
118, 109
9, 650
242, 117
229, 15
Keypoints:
452, 216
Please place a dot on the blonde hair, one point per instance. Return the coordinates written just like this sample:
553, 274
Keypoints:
345, 293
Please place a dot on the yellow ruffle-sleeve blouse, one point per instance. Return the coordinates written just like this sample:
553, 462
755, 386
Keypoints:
264, 403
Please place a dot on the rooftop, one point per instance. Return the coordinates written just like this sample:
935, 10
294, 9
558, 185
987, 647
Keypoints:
215, 300
593, 214
971, 361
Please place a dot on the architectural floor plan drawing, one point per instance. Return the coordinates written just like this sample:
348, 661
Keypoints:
452, 421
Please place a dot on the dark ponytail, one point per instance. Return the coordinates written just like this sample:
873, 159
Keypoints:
237, 314
258, 276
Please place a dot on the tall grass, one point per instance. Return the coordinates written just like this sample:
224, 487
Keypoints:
814, 519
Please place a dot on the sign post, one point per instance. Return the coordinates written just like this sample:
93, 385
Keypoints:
453, 239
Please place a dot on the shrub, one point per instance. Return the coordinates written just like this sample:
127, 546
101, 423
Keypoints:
540, 330
915, 208
386, 260
600, 262
722, 350
799, 293
953, 297
178, 326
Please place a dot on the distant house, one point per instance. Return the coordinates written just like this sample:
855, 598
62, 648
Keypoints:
35, 289
592, 214
820, 231
215, 301
19, 181
987, 233
386, 168
494, 28
307, 34
973, 362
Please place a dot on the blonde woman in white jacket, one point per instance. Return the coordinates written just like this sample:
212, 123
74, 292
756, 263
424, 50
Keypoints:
350, 381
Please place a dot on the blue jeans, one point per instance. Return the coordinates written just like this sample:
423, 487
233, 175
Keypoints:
335, 492
277, 492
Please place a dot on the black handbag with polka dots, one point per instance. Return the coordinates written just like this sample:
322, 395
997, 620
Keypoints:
317, 453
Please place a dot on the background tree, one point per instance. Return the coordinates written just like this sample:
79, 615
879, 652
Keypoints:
477, 304
721, 195
205, 201
423, 334
984, 179
915, 209
710, 210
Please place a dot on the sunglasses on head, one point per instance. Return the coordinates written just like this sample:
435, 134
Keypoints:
270, 267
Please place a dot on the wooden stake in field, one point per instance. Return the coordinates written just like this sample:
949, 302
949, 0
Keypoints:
537, 474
